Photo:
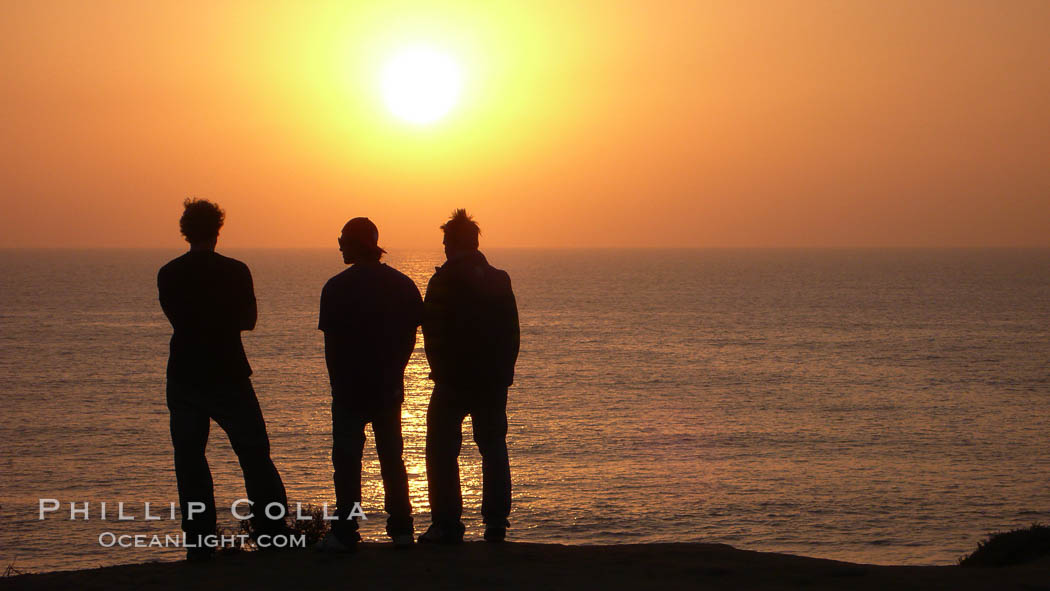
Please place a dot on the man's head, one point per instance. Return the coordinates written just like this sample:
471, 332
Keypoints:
359, 242
200, 222
461, 233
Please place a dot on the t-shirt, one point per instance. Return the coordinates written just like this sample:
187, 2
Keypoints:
209, 300
369, 314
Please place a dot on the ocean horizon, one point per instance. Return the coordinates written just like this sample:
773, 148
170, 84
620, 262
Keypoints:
877, 405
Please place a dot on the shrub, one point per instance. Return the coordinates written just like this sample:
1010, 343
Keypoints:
13, 571
239, 545
1013, 547
314, 529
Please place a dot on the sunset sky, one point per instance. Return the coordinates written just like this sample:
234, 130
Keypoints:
744, 123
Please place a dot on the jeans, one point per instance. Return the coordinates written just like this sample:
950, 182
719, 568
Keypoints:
488, 412
348, 444
235, 408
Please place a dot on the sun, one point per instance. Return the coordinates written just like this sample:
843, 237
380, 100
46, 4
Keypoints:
421, 85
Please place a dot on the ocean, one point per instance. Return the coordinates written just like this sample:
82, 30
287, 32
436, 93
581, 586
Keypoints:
876, 406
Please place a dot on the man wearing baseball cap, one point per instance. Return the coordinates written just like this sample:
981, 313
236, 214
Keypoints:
369, 315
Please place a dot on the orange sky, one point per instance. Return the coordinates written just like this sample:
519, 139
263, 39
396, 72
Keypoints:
743, 123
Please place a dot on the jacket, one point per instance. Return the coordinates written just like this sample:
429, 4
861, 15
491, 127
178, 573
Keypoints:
470, 324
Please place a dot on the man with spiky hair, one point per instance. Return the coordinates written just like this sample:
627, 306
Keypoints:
209, 300
471, 337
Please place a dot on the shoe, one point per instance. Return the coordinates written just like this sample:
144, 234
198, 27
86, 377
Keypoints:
197, 550
443, 534
403, 540
333, 545
495, 534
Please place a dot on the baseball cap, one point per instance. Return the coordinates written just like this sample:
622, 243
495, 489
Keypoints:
363, 233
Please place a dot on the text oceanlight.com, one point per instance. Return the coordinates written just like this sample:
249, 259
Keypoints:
108, 539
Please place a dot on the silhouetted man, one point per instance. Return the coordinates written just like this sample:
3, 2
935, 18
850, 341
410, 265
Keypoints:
470, 333
209, 300
369, 315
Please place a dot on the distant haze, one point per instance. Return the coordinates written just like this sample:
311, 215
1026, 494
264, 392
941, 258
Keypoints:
744, 123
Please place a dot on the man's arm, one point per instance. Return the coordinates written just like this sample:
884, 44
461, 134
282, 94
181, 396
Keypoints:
511, 328
414, 309
435, 324
167, 303
334, 346
334, 350
248, 312
417, 304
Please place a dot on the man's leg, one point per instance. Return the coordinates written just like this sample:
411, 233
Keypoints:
189, 437
444, 439
237, 411
489, 415
386, 425
348, 444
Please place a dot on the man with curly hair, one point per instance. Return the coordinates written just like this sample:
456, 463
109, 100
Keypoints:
209, 300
